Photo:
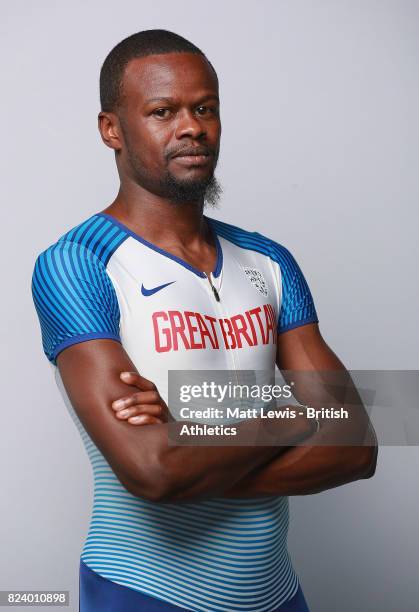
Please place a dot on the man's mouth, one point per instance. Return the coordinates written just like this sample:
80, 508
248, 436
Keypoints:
193, 156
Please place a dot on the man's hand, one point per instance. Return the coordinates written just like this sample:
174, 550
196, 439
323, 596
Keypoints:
145, 407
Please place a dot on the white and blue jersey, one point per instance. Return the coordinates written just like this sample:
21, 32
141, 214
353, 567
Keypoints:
101, 280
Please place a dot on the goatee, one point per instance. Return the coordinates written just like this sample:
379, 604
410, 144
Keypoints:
181, 192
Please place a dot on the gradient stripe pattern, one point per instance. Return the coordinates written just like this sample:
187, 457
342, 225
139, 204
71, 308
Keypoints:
73, 294
297, 302
216, 555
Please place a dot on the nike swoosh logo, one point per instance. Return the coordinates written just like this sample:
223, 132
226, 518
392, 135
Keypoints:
148, 292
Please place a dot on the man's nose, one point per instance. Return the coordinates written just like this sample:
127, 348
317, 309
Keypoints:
189, 125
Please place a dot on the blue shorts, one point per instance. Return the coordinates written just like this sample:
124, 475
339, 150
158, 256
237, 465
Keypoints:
98, 593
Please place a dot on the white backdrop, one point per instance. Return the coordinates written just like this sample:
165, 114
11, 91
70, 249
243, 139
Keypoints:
319, 151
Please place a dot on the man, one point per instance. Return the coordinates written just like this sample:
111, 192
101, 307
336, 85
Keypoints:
151, 284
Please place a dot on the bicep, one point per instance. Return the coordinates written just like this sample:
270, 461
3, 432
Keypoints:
320, 379
90, 373
304, 357
304, 348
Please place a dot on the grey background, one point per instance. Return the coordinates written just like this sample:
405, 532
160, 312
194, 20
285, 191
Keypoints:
319, 151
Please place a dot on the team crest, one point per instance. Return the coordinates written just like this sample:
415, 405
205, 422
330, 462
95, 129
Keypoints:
257, 280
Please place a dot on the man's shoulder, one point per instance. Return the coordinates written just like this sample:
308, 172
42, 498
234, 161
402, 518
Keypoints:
251, 240
96, 237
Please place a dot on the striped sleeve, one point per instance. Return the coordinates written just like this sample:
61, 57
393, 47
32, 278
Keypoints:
74, 297
297, 305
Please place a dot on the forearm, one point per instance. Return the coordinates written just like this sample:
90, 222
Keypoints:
197, 472
303, 470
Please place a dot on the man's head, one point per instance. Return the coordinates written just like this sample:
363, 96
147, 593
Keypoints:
159, 101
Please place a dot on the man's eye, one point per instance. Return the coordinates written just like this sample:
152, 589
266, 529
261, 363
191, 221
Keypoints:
204, 110
207, 110
161, 112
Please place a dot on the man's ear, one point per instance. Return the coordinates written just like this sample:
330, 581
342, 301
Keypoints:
110, 130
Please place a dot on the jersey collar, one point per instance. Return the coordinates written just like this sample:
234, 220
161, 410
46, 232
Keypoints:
218, 264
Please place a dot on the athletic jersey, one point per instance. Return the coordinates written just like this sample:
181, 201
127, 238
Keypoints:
102, 280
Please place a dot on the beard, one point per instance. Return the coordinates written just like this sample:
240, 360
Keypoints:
206, 191
178, 191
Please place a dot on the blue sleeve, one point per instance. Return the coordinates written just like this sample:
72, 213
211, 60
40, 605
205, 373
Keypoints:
297, 306
74, 298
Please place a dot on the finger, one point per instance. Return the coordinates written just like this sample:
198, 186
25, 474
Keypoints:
151, 409
141, 397
144, 419
126, 413
134, 378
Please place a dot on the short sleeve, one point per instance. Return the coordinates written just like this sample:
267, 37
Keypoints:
297, 304
74, 298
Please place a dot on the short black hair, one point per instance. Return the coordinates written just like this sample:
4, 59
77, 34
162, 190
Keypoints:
141, 44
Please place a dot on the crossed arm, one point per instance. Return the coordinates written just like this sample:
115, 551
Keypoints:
148, 467
313, 467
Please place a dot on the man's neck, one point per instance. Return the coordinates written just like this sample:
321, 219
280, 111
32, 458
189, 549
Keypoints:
160, 221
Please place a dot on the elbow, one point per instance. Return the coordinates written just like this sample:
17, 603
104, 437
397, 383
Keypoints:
365, 456
373, 463
157, 496
151, 482
170, 482
367, 461
163, 479
155, 490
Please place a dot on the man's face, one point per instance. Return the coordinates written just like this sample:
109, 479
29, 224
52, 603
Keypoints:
169, 116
